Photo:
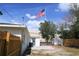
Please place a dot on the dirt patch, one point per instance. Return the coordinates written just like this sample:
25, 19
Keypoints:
55, 51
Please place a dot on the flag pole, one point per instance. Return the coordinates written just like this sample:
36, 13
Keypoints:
23, 20
45, 15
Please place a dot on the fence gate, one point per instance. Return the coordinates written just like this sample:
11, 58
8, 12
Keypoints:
10, 45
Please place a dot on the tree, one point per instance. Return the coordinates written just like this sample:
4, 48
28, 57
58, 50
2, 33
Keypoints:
52, 29
65, 32
47, 30
73, 20
75, 26
75, 29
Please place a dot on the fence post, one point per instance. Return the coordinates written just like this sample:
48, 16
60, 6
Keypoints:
7, 42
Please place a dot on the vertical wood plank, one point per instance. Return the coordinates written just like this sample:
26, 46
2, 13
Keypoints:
7, 42
10, 44
8, 36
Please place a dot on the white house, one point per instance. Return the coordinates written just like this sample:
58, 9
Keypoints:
18, 30
57, 40
36, 37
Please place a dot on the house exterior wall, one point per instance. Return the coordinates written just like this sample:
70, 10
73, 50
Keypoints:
22, 33
27, 39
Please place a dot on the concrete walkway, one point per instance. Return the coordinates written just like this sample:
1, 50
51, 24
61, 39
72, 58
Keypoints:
54, 51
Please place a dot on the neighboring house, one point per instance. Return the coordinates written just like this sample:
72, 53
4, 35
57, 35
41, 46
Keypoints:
18, 30
57, 40
36, 37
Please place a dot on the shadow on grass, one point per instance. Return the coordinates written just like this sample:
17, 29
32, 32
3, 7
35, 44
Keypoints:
71, 46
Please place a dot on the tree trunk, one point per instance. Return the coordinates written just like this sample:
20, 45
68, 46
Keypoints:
46, 42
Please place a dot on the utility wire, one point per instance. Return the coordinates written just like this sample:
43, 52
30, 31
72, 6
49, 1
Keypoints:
8, 13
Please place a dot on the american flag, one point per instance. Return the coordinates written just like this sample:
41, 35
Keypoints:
41, 13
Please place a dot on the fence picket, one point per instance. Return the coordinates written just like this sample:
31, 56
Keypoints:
9, 44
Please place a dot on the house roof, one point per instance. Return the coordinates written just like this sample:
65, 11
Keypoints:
9, 25
12, 25
35, 34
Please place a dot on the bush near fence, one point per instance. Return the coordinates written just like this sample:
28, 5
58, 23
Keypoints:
71, 43
10, 45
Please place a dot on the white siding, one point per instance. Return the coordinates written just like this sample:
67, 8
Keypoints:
26, 40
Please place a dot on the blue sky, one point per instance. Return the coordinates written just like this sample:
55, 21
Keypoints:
14, 13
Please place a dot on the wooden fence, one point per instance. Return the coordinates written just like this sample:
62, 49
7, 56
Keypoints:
71, 42
45, 43
10, 45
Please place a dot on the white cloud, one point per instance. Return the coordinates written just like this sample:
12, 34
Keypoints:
57, 10
15, 22
30, 16
64, 7
33, 24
